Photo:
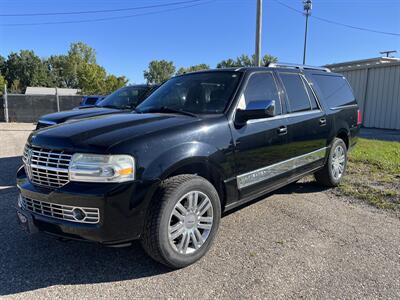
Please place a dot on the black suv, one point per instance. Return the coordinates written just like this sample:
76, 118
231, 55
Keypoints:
122, 100
201, 144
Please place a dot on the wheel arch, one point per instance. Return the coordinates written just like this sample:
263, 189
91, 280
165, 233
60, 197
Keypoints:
192, 158
344, 135
202, 167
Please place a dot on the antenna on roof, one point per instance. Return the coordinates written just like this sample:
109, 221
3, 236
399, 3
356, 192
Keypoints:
388, 52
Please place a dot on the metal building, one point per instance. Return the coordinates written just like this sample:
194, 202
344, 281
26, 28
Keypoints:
376, 85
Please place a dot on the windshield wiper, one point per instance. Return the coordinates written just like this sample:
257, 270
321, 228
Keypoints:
166, 109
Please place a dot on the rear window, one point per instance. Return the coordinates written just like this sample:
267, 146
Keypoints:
335, 90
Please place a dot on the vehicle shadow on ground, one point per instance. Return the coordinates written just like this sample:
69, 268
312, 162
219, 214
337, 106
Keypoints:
293, 188
30, 262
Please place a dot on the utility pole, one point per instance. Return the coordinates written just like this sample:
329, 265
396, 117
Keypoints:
258, 33
58, 100
5, 97
307, 4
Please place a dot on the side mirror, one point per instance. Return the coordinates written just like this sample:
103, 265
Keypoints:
256, 110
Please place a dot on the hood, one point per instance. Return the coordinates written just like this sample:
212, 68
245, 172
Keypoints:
61, 117
99, 134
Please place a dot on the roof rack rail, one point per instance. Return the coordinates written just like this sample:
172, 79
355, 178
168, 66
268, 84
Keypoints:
296, 66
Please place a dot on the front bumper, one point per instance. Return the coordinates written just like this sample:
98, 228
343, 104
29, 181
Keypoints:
122, 209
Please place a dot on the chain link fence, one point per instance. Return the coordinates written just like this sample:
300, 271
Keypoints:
28, 108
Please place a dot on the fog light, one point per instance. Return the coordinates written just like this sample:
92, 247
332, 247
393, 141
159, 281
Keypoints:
78, 214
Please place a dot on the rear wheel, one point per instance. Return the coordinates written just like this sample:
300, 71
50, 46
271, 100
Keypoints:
332, 173
182, 221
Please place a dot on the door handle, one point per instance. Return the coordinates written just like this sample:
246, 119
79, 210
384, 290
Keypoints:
282, 130
322, 122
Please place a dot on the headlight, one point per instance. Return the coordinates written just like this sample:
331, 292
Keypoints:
101, 168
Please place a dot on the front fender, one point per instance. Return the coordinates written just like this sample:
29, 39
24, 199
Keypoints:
183, 155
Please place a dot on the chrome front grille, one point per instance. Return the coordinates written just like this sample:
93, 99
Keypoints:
46, 167
63, 212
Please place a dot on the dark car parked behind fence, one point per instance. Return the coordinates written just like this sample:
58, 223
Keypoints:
91, 100
122, 100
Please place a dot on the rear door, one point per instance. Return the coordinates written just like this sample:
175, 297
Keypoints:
308, 126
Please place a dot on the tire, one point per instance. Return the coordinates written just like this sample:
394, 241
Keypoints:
177, 238
328, 176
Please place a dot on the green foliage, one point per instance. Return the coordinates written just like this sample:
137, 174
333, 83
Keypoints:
268, 59
27, 69
80, 52
2, 64
113, 83
91, 78
194, 68
2, 83
77, 69
373, 173
383, 155
245, 61
159, 71
63, 71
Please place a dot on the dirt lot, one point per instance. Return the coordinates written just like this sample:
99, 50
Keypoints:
301, 241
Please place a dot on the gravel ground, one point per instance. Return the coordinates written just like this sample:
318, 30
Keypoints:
301, 241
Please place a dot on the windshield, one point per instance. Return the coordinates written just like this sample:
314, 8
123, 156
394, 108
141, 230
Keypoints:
126, 97
198, 93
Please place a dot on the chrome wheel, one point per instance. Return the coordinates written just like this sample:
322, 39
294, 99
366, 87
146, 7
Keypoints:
338, 162
190, 222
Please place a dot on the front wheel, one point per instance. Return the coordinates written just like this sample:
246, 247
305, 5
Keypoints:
332, 173
182, 221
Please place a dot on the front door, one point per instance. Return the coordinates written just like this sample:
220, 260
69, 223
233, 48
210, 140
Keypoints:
260, 144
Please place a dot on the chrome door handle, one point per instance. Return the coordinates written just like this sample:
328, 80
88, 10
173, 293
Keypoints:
282, 130
322, 122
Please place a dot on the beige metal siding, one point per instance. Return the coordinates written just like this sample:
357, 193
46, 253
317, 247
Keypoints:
378, 94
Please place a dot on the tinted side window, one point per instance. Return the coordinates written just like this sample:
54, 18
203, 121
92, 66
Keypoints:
91, 101
295, 92
261, 87
335, 90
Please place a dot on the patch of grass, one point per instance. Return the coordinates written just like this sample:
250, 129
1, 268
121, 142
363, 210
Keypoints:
384, 156
373, 174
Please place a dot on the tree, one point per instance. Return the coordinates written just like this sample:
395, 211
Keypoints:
267, 59
63, 71
2, 83
82, 53
91, 78
245, 61
112, 83
64, 68
77, 69
27, 69
2, 64
194, 68
159, 71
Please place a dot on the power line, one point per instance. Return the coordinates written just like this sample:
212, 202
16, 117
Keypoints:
338, 23
97, 11
107, 18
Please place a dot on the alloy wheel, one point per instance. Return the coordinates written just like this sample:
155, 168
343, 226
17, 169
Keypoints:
338, 162
190, 222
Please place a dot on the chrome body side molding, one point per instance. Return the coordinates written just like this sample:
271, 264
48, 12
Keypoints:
344, 106
256, 176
